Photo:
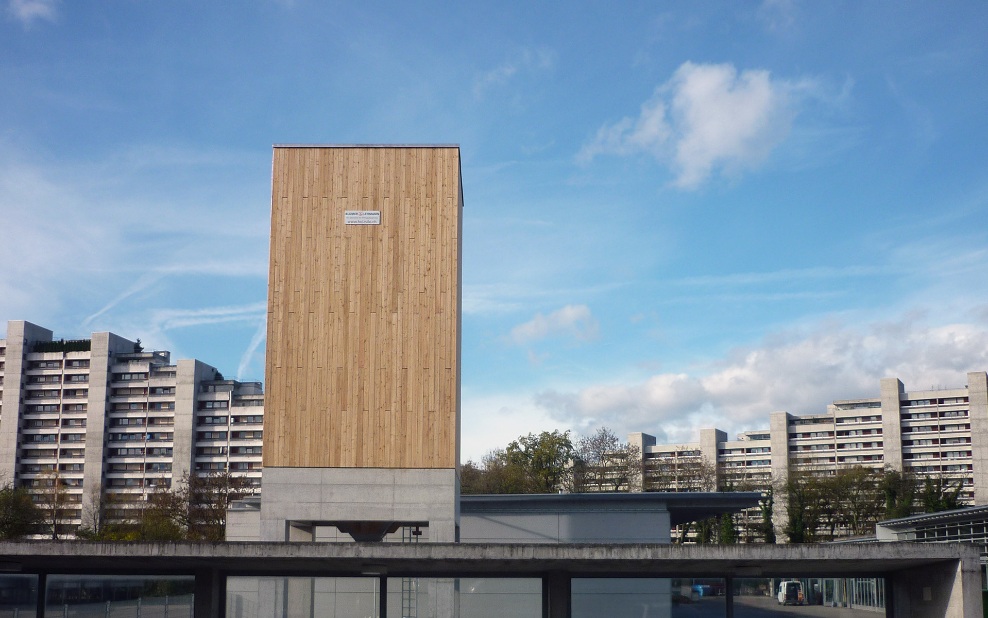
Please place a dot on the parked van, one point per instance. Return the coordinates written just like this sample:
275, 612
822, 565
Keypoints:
791, 593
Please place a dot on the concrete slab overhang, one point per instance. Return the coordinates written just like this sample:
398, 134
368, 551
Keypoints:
501, 560
682, 507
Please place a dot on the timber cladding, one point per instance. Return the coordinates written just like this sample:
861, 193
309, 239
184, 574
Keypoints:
363, 334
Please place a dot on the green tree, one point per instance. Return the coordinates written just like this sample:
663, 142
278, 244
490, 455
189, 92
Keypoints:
767, 525
18, 514
495, 474
940, 493
803, 517
898, 491
546, 459
727, 532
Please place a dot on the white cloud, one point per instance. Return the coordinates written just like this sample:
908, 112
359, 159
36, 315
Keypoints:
574, 321
706, 118
800, 372
525, 60
777, 15
29, 11
493, 421
79, 241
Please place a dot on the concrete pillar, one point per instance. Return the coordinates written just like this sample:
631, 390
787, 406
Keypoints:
977, 390
641, 441
103, 347
947, 589
710, 441
210, 594
20, 336
779, 432
891, 422
556, 594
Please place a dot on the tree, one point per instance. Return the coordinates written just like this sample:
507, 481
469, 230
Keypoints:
202, 503
18, 514
898, 490
52, 500
683, 473
496, 474
604, 463
195, 510
727, 532
803, 517
767, 525
545, 458
940, 493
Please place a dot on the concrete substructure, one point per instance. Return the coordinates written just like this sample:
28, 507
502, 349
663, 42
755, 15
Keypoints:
299, 501
923, 580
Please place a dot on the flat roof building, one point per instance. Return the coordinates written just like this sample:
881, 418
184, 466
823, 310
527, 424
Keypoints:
100, 424
939, 433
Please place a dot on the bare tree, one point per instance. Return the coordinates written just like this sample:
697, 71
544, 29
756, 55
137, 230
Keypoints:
604, 463
684, 472
52, 500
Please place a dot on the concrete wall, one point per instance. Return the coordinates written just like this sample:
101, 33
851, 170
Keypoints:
951, 590
891, 388
20, 335
977, 384
322, 495
103, 348
565, 527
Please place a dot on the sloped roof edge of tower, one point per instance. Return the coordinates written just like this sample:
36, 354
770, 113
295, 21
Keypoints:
365, 146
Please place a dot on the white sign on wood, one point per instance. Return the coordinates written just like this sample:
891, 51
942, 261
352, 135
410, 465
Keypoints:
362, 217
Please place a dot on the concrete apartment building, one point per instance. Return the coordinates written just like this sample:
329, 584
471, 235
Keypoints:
102, 417
941, 432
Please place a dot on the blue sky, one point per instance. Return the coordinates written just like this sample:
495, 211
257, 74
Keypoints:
678, 215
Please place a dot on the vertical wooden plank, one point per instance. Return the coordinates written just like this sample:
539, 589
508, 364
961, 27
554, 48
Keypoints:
363, 321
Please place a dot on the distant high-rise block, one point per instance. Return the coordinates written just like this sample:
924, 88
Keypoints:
99, 424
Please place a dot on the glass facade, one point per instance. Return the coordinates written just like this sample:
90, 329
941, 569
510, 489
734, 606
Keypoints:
359, 597
119, 596
18, 596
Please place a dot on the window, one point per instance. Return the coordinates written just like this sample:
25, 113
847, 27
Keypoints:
127, 422
211, 435
212, 420
129, 377
213, 405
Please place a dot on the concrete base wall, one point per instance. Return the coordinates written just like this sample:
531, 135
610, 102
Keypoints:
296, 500
563, 527
951, 590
